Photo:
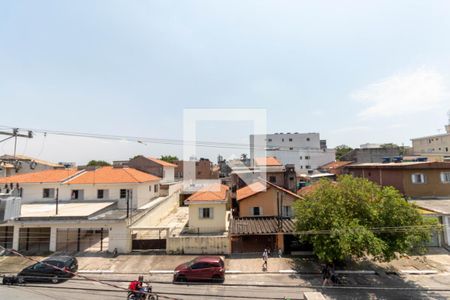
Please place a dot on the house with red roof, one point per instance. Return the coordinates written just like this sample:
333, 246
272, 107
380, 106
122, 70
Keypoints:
208, 209
76, 210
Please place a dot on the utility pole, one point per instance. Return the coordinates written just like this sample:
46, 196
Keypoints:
15, 134
57, 200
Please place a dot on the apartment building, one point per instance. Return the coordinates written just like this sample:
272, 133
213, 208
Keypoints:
435, 146
306, 151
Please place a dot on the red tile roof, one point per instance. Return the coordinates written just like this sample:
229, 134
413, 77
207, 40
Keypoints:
258, 187
213, 192
111, 175
47, 176
335, 165
162, 162
250, 190
267, 161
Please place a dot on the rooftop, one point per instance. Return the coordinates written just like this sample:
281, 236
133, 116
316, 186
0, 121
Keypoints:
439, 206
269, 161
47, 176
258, 187
28, 158
112, 175
210, 193
335, 164
404, 165
77, 209
162, 162
261, 226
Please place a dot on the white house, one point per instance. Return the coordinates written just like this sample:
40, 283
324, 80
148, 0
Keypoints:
71, 210
208, 209
304, 150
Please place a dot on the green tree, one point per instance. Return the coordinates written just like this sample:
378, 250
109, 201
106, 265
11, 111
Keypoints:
98, 163
356, 217
169, 158
342, 150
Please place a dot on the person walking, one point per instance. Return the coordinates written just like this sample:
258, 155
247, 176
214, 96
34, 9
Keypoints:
265, 257
326, 274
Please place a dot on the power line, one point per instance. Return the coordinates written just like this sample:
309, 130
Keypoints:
143, 140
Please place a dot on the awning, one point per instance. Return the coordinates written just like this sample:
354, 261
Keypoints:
261, 226
439, 206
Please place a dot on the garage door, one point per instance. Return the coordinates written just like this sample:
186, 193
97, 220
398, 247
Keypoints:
6, 236
81, 240
35, 240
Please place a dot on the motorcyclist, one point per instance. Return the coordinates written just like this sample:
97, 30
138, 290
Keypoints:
135, 287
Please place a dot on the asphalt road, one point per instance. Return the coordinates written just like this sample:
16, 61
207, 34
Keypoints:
256, 286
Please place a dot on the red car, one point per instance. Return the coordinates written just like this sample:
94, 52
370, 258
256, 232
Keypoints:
201, 268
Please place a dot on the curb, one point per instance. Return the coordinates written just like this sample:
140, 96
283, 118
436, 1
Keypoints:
418, 272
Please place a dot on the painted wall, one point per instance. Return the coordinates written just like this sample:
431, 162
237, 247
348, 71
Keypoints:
154, 217
198, 245
215, 224
266, 200
433, 187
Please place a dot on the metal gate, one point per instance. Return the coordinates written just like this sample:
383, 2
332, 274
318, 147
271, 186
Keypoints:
6, 236
34, 239
150, 239
82, 240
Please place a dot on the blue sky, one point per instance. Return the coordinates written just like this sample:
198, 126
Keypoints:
355, 71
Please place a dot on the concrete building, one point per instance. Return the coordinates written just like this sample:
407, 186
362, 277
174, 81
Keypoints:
20, 164
371, 155
306, 151
72, 210
437, 146
154, 166
201, 169
208, 209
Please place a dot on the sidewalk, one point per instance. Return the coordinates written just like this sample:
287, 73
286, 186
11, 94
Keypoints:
437, 261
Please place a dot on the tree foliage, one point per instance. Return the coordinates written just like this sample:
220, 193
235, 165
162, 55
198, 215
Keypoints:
98, 163
342, 150
356, 217
169, 158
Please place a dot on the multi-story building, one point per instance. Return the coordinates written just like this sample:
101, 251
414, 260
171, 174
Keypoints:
154, 166
372, 154
435, 146
306, 151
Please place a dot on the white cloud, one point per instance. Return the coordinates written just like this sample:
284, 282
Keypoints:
403, 94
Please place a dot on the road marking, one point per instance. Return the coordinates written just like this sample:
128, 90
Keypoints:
161, 272
95, 271
355, 272
233, 272
418, 272
287, 271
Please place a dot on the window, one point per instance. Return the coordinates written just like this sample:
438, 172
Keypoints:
149, 188
301, 167
307, 167
205, 212
100, 194
290, 140
445, 177
446, 149
256, 211
301, 157
291, 148
282, 140
287, 211
272, 179
77, 195
270, 140
307, 157
123, 193
156, 188
308, 139
418, 178
48, 193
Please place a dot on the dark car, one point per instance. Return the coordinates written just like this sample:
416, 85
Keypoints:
45, 271
201, 268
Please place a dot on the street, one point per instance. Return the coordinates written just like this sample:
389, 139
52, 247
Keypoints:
243, 286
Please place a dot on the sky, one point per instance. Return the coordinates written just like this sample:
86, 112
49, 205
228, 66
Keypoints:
354, 71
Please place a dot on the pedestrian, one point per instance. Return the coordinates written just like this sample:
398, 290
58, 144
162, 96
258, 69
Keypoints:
280, 253
326, 274
265, 257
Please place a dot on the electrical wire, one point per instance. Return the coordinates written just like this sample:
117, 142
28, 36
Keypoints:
143, 140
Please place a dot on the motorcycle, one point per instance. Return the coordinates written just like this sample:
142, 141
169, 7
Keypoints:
145, 293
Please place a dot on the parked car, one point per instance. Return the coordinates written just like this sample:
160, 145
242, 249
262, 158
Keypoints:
43, 271
201, 268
